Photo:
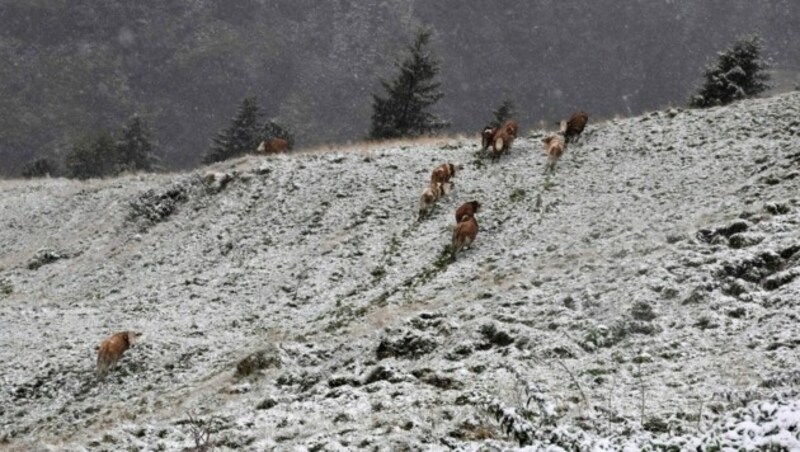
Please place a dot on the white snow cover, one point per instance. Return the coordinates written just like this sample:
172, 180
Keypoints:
643, 295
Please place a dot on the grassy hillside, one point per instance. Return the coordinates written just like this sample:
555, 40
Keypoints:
645, 293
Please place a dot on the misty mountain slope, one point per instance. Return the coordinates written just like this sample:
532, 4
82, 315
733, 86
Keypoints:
652, 279
76, 69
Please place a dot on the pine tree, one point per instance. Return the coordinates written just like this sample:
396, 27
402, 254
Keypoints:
503, 113
403, 113
93, 156
135, 147
740, 72
241, 137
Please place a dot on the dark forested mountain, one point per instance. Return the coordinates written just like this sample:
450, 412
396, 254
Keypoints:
77, 67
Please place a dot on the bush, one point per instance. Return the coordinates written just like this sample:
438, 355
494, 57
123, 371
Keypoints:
153, 206
262, 359
6, 287
740, 73
40, 167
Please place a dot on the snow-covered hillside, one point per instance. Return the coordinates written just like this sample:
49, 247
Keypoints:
644, 294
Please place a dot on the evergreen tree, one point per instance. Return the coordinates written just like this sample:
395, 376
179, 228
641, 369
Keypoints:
404, 112
740, 72
241, 137
93, 156
503, 113
274, 130
135, 147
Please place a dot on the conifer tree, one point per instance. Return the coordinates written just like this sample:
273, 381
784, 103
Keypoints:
740, 72
240, 137
404, 112
503, 113
93, 156
135, 147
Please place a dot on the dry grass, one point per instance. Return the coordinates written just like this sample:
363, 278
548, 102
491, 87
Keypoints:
367, 147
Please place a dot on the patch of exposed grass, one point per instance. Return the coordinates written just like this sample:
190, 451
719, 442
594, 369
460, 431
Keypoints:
445, 258
6, 287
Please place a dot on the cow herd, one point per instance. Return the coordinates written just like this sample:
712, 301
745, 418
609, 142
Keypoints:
498, 141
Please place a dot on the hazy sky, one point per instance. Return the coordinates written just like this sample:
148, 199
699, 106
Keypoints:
81, 66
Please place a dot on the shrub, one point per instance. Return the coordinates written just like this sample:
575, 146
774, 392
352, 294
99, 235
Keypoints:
262, 359
6, 287
152, 206
40, 167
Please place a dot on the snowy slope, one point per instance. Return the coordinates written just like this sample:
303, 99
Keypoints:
645, 293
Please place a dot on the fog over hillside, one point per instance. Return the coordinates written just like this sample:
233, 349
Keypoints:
74, 67
642, 296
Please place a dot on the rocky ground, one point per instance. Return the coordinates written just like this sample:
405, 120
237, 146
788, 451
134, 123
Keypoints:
643, 295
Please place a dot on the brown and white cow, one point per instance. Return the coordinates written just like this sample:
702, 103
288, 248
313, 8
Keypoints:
433, 192
554, 146
502, 137
511, 127
501, 142
273, 146
444, 172
487, 137
468, 208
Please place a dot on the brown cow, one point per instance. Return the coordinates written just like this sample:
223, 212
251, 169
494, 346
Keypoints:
444, 172
508, 129
468, 208
501, 142
554, 147
575, 125
429, 196
501, 137
511, 127
112, 348
464, 233
273, 146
